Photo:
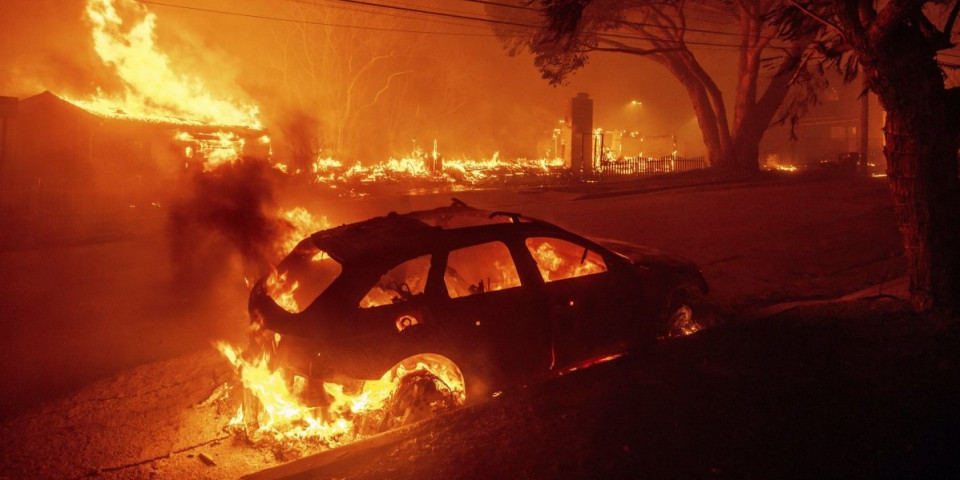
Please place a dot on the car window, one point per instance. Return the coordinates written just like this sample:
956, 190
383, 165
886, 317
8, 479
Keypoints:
560, 259
480, 268
302, 277
399, 284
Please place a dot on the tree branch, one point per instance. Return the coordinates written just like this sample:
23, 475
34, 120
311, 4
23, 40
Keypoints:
895, 13
820, 19
948, 28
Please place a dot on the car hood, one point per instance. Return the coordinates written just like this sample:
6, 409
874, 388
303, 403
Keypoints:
647, 256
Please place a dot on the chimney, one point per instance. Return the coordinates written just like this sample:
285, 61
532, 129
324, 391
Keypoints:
580, 122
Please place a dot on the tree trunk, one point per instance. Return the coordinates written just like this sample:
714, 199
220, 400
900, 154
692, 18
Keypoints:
922, 166
921, 151
712, 127
745, 154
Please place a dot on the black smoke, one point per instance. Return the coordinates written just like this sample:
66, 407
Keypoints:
223, 217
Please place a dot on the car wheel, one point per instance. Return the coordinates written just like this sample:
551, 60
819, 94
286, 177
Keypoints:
419, 396
685, 313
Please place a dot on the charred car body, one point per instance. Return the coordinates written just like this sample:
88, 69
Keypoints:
498, 298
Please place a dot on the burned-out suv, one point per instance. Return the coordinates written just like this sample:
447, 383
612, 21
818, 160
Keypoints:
499, 297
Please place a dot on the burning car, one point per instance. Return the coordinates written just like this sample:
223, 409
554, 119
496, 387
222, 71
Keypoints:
457, 302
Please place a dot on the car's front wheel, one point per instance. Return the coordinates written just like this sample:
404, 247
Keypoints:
685, 312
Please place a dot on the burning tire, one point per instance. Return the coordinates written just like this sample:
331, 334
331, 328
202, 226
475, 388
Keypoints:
685, 313
419, 396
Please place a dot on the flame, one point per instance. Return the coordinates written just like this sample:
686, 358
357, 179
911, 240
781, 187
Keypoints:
153, 90
553, 266
421, 165
281, 291
217, 148
283, 418
302, 223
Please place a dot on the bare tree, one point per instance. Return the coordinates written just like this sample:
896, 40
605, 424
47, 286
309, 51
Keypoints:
664, 31
895, 44
341, 87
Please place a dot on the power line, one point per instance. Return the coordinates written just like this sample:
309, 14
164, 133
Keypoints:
428, 32
311, 22
643, 24
374, 12
504, 5
537, 27
440, 14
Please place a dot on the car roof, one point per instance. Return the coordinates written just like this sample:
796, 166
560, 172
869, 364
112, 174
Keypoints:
400, 236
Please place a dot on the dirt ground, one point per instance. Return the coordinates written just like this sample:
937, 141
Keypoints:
850, 389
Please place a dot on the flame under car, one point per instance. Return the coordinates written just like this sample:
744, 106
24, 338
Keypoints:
491, 299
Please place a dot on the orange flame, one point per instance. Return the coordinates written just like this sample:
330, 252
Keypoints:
153, 91
283, 418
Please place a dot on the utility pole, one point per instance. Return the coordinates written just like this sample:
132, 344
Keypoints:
864, 128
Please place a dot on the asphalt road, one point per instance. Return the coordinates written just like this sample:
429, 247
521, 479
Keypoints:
76, 313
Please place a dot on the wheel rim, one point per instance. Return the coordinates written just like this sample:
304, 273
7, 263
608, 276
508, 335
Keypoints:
682, 322
420, 396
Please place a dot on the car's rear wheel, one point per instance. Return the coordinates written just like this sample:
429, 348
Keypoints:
419, 396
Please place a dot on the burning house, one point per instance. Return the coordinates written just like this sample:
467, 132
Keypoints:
62, 158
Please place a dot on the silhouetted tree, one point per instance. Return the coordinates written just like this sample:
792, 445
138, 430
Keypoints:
895, 44
660, 30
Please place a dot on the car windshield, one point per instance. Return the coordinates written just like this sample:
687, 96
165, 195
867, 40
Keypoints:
302, 277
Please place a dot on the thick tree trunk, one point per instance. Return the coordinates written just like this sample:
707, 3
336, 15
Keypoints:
712, 123
746, 153
922, 166
921, 151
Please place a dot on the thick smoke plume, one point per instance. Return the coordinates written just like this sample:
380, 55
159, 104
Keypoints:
225, 216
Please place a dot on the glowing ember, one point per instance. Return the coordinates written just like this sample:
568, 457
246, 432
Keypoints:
683, 323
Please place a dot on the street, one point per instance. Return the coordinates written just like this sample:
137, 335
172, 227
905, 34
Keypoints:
113, 308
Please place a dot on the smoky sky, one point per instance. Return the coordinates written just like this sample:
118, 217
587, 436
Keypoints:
355, 81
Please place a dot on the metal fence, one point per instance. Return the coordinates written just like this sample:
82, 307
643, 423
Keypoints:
635, 167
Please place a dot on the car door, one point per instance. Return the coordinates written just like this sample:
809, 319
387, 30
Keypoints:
588, 301
394, 317
491, 315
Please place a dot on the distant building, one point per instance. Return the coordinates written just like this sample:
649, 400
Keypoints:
828, 131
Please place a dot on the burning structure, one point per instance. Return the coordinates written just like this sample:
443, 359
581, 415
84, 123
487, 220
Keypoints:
63, 157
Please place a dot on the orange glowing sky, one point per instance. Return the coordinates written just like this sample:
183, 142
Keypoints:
367, 84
